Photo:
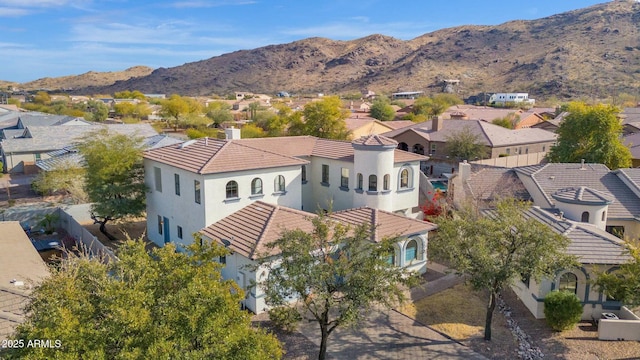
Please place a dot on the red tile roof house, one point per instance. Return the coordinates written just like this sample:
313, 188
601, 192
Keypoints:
200, 183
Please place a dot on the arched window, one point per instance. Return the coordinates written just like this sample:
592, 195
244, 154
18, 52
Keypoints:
568, 282
256, 186
278, 185
232, 189
585, 217
385, 182
391, 259
373, 183
418, 149
403, 146
411, 251
404, 178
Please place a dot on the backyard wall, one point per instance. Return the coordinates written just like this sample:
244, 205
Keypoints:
514, 160
626, 328
84, 239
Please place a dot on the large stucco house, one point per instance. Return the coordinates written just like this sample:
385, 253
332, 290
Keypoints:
227, 186
588, 203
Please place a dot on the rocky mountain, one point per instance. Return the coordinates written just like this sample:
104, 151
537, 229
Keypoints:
589, 52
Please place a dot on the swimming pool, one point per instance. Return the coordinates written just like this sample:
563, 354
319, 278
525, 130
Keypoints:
439, 185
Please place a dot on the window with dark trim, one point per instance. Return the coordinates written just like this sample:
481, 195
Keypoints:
279, 184
160, 224
344, 178
232, 189
176, 179
325, 174
256, 186
179, 232
304, 173
360, 182
157, 176
196, 191
568, 282
373, 183
411, 251
404, 178
385, 182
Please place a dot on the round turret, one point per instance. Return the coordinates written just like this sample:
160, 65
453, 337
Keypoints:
584, 204
373, 167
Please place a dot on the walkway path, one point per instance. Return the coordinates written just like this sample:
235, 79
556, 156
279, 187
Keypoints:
443, 282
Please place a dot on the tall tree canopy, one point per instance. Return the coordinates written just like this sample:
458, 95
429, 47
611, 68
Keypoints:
592, 133
465, 145
623, 284
162, 305
494, 251
381, 109
114, 176
174, 107
324, 119
336, 273
434, 105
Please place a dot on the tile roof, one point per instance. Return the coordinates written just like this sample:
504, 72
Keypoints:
49, 138
275, 151
399, 124
486, 113
632, 177
491, 183
632, 141
209, 156
550, 178
250, 229
375, 140
12, 303
489, 134
590, 244
18, 256
582, 195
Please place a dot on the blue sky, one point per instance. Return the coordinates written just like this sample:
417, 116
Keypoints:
50, 38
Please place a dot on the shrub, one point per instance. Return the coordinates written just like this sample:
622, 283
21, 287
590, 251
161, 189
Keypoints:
285, 318
562, 310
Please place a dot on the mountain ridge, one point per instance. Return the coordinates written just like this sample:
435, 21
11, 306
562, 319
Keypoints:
586, 52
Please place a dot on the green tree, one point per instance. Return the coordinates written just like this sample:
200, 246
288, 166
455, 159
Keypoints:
508, 121
435, 105
174, 107
124, 108
465, 145
562, 310
219, 112
494, 251
381, 109
126, 94
66, 177
96, 111
252, 109
592, 133
160, 305
114, 177
623, 284
324, 119
336, 273
251, 131
42, 98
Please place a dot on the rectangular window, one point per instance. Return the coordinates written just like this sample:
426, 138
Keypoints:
160, 224
38, 157
223, 259
304, 173
196, 191
344, 178
157, 176
179, 232
325, 174
508, 151
433, 148
176, 178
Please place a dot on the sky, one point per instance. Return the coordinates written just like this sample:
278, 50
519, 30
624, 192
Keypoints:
51, 38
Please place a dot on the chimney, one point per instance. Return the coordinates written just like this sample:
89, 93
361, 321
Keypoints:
206, 141
582, 165
464, 170
232, 133
437, 123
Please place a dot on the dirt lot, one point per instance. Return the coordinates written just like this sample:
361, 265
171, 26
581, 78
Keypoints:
133, 229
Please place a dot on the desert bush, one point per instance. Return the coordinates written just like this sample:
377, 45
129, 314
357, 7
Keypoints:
285, 318
562, 310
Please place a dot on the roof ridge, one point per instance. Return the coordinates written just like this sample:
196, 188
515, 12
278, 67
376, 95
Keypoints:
213, 157
267, 225
267, 151
481, 124
535, 181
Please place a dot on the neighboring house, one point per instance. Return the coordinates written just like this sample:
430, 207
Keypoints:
247, 232
632, 141
552, 124
198, 183
406, 95
584, 202
21, 269
69, 156
362, 125
430, 138
20, 152
521, 119
504, 98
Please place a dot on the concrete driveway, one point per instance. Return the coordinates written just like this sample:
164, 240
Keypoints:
388, 334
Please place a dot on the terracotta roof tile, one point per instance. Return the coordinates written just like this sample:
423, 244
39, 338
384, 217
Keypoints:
375, 140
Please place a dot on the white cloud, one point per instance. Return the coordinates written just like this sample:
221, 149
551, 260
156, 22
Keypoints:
208, 4
9, 12
352, 29
36, 3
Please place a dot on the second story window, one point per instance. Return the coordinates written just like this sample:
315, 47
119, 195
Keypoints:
256, 186
176, 178
196, 191
360, 182
304, 173
279, 184
232, 189
373, 183
157, 177
385, 182
344, 178
325, 174
404, 178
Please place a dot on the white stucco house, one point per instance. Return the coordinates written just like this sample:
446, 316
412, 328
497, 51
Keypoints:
503, 98
587, 203
226, 187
